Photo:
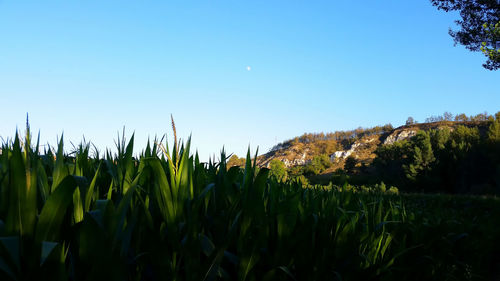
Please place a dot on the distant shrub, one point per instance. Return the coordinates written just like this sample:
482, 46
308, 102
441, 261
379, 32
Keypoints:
318, 164
278, 170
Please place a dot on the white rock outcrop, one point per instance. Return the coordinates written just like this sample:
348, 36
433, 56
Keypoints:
402, 135
342, 154
296, 162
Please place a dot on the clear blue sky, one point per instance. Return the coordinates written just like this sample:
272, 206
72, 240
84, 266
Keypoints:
91, 67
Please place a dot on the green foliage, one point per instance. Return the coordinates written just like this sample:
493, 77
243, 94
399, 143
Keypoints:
301, 180
379, 188
393, 190
423, 157
318, 164
278, 170
489, 49
234, 160
390, 161
478, 26
494, 132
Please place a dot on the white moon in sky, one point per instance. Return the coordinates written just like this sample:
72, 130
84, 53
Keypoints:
249, 68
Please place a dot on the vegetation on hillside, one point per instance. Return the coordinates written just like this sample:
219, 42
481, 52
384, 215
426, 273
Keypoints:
338, 140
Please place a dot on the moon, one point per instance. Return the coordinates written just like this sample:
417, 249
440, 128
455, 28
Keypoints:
249, 68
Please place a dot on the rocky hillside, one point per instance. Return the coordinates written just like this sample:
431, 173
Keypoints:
359, 143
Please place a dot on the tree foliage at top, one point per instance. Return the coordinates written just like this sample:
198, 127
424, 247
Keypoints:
478, 27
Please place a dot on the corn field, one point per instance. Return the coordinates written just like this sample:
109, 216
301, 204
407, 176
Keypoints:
165, 216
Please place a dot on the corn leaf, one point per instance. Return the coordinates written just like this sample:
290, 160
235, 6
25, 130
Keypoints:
53, 211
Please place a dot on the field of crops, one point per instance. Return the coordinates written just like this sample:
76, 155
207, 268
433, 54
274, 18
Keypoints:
166, 216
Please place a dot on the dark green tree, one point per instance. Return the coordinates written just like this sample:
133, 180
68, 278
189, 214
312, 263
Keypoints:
350, 164
439, 138
478, 27
390, 160
423, 156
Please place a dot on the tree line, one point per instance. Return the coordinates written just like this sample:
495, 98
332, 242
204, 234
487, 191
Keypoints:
462, 117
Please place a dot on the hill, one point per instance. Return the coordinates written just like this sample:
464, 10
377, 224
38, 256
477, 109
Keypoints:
360, 143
